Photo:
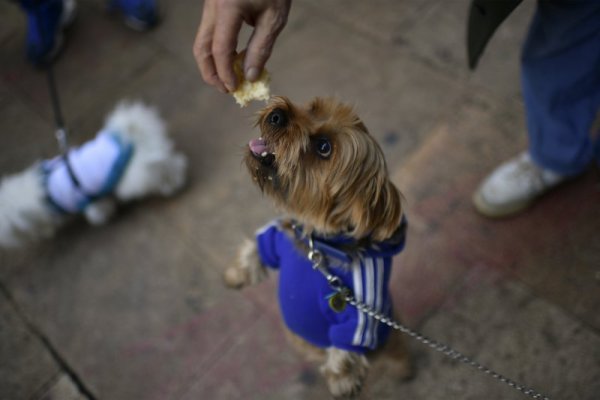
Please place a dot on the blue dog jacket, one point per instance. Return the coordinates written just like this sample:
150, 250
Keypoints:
95, 169
304, 293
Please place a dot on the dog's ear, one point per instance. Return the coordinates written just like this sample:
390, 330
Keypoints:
377, 211
388, 212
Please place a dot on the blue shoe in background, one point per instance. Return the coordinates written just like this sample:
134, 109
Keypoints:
139, 15
46, 20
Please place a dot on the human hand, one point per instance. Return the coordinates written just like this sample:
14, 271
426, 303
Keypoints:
217, 38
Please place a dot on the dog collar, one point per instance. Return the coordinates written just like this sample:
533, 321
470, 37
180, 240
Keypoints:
331, 246
346, 249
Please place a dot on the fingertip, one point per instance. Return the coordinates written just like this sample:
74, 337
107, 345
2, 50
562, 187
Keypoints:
221, 87
230, 87
252, 74
214, 81
224, 70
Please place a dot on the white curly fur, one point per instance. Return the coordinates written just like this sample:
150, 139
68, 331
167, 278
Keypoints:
155, 168
23, 210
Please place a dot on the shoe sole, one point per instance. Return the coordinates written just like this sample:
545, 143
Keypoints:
494, 211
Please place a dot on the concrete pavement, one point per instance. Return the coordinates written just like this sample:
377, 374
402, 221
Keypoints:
136, 309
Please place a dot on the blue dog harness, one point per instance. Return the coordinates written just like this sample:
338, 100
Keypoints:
86, 173
304, 294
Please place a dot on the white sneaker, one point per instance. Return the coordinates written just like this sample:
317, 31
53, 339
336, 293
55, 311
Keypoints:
513, 186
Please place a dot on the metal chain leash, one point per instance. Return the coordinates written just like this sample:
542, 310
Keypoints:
319, 261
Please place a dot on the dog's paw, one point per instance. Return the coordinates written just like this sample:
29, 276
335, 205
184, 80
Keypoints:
235, 278
249, 270
100, 211
345, 373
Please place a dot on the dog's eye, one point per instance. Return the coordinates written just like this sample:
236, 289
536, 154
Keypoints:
277, 118
323, 147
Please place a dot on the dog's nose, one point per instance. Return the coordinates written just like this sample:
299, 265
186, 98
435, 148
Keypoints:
277, 118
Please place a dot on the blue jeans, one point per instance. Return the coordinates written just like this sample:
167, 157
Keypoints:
561, 85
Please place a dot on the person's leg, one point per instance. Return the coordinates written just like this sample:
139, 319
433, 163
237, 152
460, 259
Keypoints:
561, 84
46, 20
561, 90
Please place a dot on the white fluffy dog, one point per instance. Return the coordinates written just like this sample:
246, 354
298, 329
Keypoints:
130, 158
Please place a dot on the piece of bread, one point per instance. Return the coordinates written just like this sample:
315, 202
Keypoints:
248, 91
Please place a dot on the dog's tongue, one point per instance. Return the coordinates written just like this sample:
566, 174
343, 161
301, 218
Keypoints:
257, 146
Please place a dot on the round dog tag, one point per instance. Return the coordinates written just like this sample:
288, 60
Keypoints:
337, 302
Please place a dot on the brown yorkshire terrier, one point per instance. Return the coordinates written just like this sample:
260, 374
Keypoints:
320, 165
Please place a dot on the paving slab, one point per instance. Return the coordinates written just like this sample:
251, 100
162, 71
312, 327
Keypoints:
137, 309
107, 56
434, 32
100, 307
437, 182
178, 30
13, 21
440, 39
503, 326
543, 247
27, 367
63, 389
26, 142
380, 20
257, 364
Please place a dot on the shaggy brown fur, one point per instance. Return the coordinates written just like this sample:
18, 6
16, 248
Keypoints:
320, 165
348, 192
